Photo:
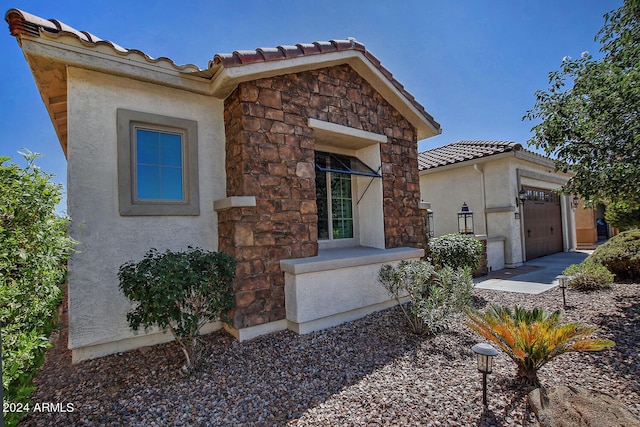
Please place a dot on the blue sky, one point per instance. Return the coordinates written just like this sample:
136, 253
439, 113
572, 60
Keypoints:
474, 65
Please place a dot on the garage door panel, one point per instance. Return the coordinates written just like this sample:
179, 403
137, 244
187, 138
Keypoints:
542, 220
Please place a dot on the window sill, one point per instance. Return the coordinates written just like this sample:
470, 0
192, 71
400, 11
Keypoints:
331, 259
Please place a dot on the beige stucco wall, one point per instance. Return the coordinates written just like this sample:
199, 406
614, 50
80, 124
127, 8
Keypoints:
490, 187
97, 309
446, 191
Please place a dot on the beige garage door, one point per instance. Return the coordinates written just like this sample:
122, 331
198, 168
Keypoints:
542, 223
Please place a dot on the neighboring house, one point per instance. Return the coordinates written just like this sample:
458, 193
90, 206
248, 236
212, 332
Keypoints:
301, 161
492, 178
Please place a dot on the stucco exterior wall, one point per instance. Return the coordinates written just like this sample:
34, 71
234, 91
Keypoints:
446, 191
97, 309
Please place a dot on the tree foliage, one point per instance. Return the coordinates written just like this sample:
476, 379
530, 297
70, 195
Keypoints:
532, 338
623, 215
590, 114
33, 250
181, 291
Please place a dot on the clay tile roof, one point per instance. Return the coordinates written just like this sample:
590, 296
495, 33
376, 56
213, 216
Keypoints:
243, 57
462, 151
24, 23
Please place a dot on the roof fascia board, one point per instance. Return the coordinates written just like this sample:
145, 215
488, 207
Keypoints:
537, 176
535, 158
469, 162
228, 79
105, 59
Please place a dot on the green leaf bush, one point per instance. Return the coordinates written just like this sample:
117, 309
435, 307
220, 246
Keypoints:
620, 255
588, 276
456, 251
180, 291
435, 295
33, 251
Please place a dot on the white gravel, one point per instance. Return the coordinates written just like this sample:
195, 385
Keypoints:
365, 373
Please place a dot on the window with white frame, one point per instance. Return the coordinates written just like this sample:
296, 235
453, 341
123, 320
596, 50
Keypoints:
334, 194
157, 164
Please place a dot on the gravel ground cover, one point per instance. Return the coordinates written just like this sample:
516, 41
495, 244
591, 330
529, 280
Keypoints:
371, 372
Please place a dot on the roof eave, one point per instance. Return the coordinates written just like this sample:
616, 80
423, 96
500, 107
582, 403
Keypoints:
68, 50
226, 79
469, 162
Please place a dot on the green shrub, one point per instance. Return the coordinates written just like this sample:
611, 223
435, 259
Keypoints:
622, 216
456, 251
621, 255
434, 294
181, 291
588, 276
33, 251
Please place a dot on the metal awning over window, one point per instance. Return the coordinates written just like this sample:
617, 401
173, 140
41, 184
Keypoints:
340, 163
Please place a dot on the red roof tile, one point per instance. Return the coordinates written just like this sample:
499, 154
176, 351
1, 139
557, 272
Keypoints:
21, 22
25, 23
243, 57
462, 151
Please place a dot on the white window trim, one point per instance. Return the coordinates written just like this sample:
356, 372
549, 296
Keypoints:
127, 122
347, 242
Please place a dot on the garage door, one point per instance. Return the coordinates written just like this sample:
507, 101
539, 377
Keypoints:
542, 223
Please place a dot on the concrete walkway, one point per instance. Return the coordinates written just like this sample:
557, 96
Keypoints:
534, 277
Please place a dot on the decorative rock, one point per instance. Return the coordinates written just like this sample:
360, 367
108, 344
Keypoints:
578, 406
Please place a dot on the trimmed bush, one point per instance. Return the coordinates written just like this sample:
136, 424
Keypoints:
181, 291
456, 251
33, 251
434, 294
588, 276
620, 255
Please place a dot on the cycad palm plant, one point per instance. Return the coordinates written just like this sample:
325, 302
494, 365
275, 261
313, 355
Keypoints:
531, 338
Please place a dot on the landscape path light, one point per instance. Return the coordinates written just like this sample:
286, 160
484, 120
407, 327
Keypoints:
485, 354
562, 282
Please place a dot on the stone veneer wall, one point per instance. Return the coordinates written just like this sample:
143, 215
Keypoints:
270, 155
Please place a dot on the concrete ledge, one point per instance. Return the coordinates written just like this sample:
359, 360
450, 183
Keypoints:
252, 332
234, 202
98, 350
331, 259
338, 285
93, 351
338, 319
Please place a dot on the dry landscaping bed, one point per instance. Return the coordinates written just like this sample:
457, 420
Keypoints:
367, 372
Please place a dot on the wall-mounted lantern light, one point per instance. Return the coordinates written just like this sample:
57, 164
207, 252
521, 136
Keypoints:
522, 197
575, 201
465, 220
430, 227
485, 353
562, 283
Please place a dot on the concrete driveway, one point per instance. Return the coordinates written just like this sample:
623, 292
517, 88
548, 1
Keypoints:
534, 277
